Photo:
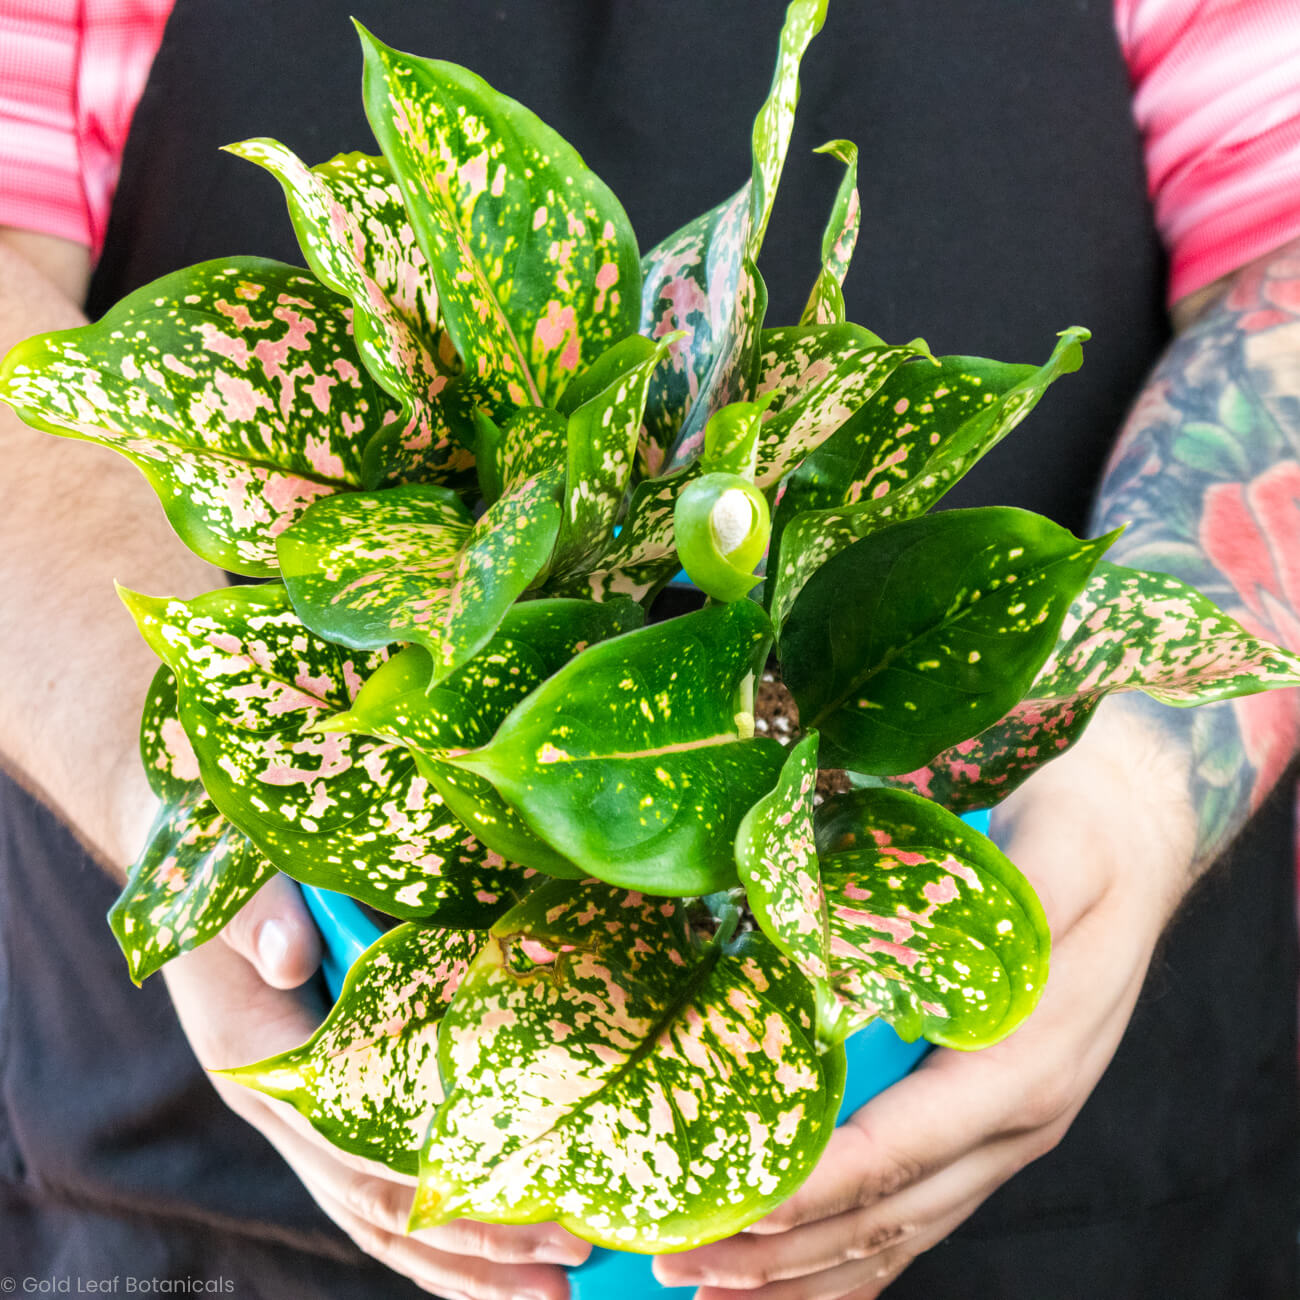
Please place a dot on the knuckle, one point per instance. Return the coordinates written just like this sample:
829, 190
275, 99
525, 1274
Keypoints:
370, 1238
1048, 1104
876, 1237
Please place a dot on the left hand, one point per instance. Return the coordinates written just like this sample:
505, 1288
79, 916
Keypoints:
1110, 856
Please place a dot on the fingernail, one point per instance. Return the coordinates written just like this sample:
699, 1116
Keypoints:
272, 944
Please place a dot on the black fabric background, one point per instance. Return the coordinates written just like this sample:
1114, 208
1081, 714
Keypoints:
1003, 199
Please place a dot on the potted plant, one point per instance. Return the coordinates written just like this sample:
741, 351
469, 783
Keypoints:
459, 456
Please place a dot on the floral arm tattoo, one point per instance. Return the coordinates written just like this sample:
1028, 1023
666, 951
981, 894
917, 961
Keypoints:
1206, 474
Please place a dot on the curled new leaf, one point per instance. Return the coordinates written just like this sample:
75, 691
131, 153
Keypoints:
721, 525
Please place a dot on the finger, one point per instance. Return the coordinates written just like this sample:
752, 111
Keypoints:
749, 1262
450, 1276
274, 932
508, 1243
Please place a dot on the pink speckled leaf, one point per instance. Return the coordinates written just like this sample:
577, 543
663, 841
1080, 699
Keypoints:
826, 302
355, 235
1128, 631
367, 1080
536, 638
196, 869
776, 857
900, 452
347, 813
630, 761
703, 279
648, 1091
534, 259
233, 385
408, 564
818, 376
932, 927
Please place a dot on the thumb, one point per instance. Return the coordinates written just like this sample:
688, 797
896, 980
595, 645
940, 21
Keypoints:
274, 932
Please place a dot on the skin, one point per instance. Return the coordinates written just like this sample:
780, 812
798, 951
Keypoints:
75, 517
1166, 787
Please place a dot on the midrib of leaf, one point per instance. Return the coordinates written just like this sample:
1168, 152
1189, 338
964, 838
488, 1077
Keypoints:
709, 959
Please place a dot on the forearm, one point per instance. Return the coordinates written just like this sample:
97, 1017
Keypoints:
74, 518
1206, 475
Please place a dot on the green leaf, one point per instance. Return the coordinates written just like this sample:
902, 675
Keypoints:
408, 564
932, 928
818, 376
928, 631
196, 869
353, 231
776, 857
826, 302
703, 279
535, 639
367, 1080
344, 812
659, 1094
630, 760
601, 442
900, 452
1127, 631
530, 444
234, 386
535, 262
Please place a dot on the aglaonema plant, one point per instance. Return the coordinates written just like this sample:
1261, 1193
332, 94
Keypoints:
460, 454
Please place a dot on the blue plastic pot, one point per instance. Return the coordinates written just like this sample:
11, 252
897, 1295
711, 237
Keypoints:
877, 1057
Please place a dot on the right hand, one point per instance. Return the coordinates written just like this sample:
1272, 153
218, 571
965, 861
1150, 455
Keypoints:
239, 1002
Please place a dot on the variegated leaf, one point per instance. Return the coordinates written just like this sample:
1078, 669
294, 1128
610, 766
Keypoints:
703, 280
344, 812
408, 564
353, 231
1128, 631
776, 857
535, 262
826, 302
233, 385
367, 1080
630, 760
690, 291
900, 452
535, 639
660, 1093
530, 444
196, 869
926, 632
932, 928
817, 376
601, 442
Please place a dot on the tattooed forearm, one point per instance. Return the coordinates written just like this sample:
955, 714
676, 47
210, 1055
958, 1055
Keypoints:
1207, 476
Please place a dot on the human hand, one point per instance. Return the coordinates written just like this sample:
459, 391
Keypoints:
238, 1002
1105, 834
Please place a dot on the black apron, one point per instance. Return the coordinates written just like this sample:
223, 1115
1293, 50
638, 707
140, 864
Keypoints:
1003, 199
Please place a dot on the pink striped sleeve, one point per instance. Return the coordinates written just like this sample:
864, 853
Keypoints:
71, 72
1217, 97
